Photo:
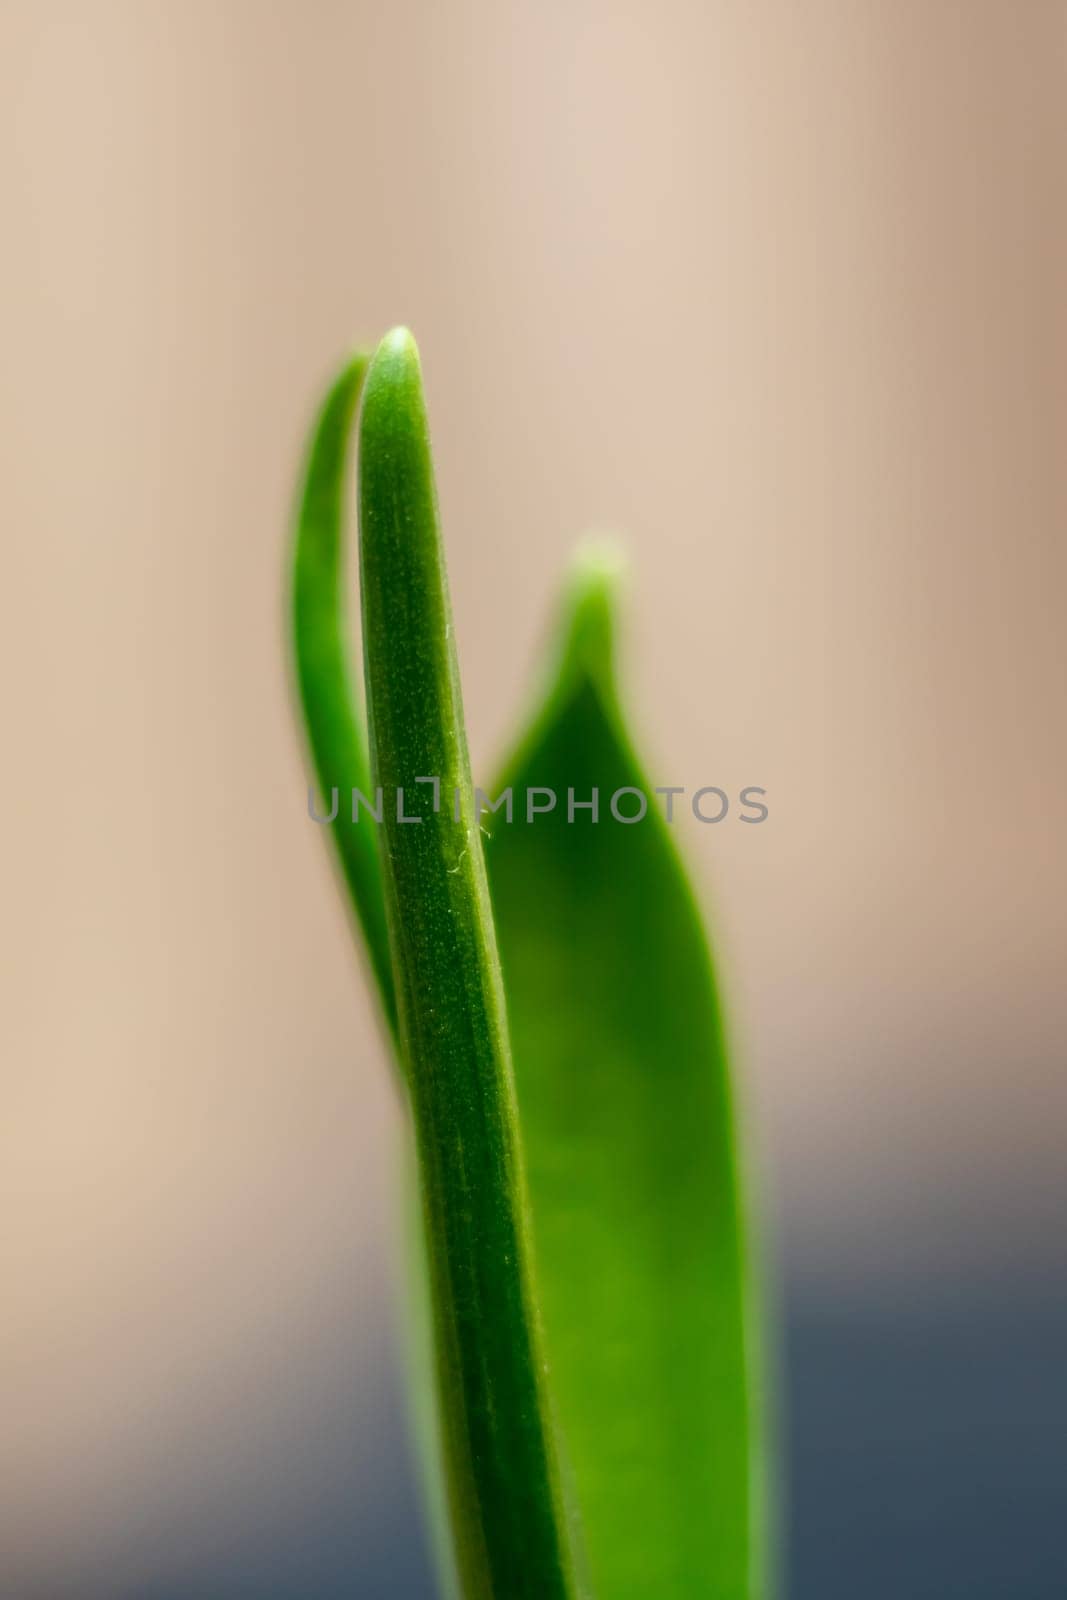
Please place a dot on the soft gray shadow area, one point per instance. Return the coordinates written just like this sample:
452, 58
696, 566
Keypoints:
926, 1446
924, 1452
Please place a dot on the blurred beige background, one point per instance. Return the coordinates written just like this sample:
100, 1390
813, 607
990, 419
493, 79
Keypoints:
776, 291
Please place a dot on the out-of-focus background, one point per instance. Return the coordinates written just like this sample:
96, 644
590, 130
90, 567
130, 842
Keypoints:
774, 289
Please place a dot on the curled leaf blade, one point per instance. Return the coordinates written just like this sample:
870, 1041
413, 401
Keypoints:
332, 711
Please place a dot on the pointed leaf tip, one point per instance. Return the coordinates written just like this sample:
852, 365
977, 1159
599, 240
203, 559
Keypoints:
396, 359
590, 614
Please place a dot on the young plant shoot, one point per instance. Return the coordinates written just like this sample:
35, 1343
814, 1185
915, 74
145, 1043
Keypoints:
586, 1266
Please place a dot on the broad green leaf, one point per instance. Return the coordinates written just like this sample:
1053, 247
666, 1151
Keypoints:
333, 720
628, 1125
511, 1536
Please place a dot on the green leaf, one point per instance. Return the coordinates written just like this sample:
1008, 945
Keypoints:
644, 1276
628, 1125
335, 728
333, 719
510, 1531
